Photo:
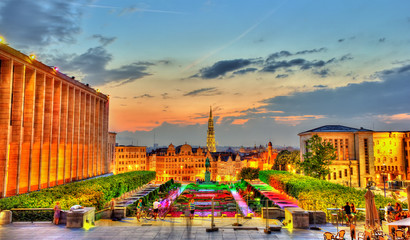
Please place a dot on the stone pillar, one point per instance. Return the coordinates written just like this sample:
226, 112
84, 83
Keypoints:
28, 131
6, 81
46, 148
62, 145
36, 153
18, 86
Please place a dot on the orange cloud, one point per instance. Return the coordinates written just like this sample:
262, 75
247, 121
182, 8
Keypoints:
395, 117
295, 120
239, 121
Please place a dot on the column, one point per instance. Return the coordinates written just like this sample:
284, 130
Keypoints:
70, 135
62, 145
6, 71
38, 129
55, 136
17, 100
46, 148
28, 131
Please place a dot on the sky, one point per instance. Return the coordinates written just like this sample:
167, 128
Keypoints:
269, 69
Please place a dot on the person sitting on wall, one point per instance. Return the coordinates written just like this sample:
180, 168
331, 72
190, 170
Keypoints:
348, 211
57, 213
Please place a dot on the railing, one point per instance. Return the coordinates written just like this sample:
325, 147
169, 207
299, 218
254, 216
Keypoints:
32, 214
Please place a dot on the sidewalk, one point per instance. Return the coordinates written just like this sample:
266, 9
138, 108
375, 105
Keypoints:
177, 228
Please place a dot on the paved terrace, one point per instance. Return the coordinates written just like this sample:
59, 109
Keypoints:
175, 228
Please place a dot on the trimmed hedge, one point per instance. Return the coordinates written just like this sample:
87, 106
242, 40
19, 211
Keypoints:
88, 193
318, 194
161, 192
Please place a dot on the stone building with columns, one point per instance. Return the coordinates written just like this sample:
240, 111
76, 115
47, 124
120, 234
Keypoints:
363, 155
53, 129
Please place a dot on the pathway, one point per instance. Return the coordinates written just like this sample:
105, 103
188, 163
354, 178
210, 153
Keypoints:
135, 196
280, 199
241, 203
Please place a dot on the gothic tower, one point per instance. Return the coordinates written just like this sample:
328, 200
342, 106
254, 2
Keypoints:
210, 139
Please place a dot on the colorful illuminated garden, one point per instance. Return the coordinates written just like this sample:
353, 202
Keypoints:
224, 203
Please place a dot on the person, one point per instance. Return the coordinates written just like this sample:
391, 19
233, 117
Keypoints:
139, 208
192, 208
398, 210
156, 206
347, 210
112, 208
354, 212
388, 210
57, 211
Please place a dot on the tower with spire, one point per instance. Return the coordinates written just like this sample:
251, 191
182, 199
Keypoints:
210, 139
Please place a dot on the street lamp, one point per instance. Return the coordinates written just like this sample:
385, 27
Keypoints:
384, 180
247, 200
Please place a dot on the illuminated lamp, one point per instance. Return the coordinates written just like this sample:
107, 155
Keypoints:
2, 40
56, 69
32, 56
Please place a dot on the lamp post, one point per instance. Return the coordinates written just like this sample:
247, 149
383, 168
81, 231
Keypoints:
247, 200
350, 172
384, 180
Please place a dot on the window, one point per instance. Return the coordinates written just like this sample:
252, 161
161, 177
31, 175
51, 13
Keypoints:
351, 171
334, 176
340, 174
345, 172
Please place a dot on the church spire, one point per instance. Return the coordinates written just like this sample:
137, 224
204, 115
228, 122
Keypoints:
210, 139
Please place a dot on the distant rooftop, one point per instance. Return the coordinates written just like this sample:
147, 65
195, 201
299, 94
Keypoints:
337, 128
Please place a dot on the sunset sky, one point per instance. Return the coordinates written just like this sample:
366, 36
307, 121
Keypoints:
269, 69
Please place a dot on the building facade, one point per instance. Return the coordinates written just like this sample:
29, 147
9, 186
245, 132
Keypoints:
53, 129
363, 155
130, 158
182, 163
112, 139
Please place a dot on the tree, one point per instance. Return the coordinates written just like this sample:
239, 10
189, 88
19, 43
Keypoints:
286, 158
249, 173
319, 155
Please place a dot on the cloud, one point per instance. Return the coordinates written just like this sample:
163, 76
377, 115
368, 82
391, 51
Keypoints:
104, 40
341, 40
382, 39
146, 95
295, 120
133, 9
38, 23
271, 65
390, 95
282, 76
400, 117
320, 86
93, 66
322, 73
244, 71
222, 67
165, 96
203, 92
272, 57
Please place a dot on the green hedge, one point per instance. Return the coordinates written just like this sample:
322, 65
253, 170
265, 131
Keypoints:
88, 193
147, 201
320, 194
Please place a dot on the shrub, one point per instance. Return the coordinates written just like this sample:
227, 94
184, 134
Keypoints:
316, 194
88, 193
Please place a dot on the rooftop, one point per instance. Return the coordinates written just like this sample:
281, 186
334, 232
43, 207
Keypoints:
337, 128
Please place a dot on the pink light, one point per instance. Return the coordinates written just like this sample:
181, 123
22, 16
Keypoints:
56, 69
